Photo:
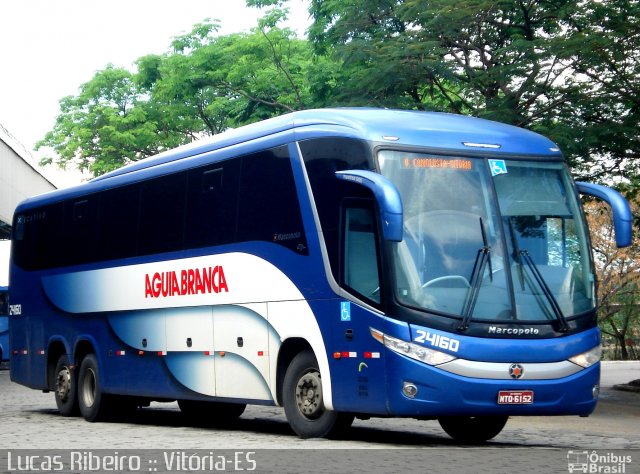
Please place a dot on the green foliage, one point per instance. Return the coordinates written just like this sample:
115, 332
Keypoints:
618, 274
608, 72
109, 119
566, 69
204, 85
620, 322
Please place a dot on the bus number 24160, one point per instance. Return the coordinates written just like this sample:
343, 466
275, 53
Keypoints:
436, 340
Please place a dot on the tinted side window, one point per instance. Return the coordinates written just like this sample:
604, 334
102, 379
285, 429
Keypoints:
322, 158
80, 229
118, 222
4, 303
37, 237
212, 202
242, 199
162, 210
360, 250
268, 209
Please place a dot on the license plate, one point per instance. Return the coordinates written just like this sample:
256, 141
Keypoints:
515, 397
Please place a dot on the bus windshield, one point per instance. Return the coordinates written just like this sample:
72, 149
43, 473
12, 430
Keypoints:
489, 240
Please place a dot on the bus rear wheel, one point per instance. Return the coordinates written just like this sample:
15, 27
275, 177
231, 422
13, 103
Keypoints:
303, 404
91, 400
65, 390
473, 429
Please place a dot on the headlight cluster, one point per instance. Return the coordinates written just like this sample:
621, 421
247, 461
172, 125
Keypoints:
420, 353
587, 359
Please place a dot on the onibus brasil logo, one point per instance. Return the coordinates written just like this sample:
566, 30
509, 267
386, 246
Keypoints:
594, 462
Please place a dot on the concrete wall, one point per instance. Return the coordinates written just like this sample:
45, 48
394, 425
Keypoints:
19, 178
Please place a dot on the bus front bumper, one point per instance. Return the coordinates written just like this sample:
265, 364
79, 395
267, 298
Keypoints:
419, 390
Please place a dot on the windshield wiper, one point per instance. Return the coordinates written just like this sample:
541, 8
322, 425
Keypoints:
524, 255
483, 257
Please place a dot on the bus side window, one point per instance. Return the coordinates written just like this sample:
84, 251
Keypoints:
212, 181
212, 202
268, 208
322, 158
118, 223
79, 231
4, 304
162, 207
360, 253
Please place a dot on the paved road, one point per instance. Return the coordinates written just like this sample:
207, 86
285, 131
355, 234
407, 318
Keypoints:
619, 372
29, 420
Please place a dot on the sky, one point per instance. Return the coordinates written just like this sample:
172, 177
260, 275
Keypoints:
51, 47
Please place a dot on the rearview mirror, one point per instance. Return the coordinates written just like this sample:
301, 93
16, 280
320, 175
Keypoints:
387, 196
622, 217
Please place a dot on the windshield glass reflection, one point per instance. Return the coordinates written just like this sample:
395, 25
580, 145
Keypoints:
463, 251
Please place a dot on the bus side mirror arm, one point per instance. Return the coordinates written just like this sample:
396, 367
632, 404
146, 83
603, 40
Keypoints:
622, 216
387, 197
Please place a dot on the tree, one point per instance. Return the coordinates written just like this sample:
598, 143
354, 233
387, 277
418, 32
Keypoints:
568, 70
205, 84
234, 79
108, 124
607, 69
618, 275
551, 66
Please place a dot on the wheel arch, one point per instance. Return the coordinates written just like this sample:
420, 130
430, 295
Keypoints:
57, 348
288, 350
84, 346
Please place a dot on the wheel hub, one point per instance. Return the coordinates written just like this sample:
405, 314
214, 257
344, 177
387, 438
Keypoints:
63, 383
309, 395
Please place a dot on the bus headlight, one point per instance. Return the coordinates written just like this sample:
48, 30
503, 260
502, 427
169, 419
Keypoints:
409, 349
587, 359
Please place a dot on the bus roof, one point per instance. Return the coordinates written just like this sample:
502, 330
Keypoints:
430, 130
400, 127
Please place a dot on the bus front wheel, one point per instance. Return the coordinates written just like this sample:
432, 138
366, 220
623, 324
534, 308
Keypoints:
91, 400
473, 429
65, 391
303, 404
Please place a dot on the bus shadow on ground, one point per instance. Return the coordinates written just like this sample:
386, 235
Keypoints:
387, 437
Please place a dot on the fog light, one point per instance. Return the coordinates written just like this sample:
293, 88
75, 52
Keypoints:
409, 390
595, 391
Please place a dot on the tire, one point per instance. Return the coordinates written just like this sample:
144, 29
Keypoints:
303, 404
473, 429
91, 400
65, 388
211, 413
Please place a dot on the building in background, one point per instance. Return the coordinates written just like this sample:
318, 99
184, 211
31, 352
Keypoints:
19, 179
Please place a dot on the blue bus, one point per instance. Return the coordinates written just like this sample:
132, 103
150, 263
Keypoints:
4, 324
339, 263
